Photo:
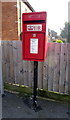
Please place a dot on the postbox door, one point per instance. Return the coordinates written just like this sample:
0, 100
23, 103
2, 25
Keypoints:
34, 45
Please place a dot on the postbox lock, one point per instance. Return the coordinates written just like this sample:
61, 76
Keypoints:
34, 35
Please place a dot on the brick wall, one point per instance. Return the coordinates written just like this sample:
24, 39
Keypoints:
9, 21
0, 21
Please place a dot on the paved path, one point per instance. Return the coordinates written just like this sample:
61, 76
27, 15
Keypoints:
14, 107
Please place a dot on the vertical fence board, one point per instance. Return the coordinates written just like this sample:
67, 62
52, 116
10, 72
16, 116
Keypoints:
20, 62
3, 62
15, 60
66, 83
40, 75
25, 72
19, 46
63, 61
56, 67
69, 68
6, 61
51, 66
30, 73
20, 74
11, 62
45, 72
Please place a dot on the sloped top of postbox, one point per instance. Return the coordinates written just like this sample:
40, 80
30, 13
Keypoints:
34, 16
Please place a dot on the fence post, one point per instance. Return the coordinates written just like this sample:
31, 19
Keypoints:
1, 79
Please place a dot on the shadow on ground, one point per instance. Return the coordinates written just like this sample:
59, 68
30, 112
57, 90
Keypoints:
13, 106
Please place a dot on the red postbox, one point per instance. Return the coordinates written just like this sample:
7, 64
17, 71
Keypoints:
34, 40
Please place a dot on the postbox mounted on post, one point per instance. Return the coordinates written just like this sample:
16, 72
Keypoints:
34, 40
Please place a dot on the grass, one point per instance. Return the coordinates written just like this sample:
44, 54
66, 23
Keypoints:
27, 91
22, 90
55, 96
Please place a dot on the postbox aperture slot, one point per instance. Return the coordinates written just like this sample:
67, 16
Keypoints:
36, 21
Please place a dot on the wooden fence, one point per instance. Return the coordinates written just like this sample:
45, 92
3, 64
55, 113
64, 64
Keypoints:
53, 73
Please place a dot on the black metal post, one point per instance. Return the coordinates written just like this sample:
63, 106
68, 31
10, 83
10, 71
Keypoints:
33, 102
35, 84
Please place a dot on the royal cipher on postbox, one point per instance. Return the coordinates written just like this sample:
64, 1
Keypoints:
34, 38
